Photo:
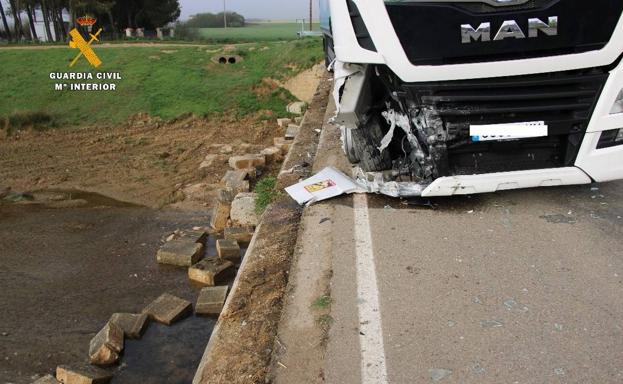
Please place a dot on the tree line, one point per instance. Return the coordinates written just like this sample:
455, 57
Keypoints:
215, 20
112, 15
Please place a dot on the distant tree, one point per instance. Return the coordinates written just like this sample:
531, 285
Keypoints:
4, 22
211, 20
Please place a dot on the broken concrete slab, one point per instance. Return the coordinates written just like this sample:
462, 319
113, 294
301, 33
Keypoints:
272, 155
292, 131
247, 161
220, 215
209, 271
106, 346
283, 144
243, 210
297, 107
82, 374
211, 300
168, 309
298, 120
47, 379
283, 123
228, 250
242, 235
182, 252
131, 324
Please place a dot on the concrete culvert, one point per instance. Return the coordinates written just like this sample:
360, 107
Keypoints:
232, 60
222, 60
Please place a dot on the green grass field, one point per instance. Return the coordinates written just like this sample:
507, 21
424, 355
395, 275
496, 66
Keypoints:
253, 32
165, 82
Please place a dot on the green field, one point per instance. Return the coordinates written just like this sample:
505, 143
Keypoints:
254, 32
163, 81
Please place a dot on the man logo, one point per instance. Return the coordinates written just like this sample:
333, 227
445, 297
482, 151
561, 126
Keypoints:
509, 29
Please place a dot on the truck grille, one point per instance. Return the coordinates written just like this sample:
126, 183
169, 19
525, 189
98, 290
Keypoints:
430, 31
564, 100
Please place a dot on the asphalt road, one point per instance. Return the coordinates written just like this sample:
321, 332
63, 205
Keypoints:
520, 286
516, 287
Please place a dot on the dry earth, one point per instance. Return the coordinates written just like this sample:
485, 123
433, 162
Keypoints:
146, 161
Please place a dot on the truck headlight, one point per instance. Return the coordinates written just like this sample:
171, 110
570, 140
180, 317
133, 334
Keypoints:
618, 104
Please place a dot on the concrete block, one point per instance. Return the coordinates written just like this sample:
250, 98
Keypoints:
211, 300
132, 324
296, 108
283, 144
292, 131
106, 346
208, 271
180, 252
198, 236
242, 235
236, 180
298, 120
168, 309
283, 123
247, 161
220, 215
47, 379
228, 250
272, 155
243, 210
82, 374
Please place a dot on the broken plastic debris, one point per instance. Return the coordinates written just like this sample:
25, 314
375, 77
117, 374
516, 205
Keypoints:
326, 184
330, 183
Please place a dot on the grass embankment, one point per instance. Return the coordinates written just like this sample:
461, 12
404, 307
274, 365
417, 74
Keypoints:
253, 32
163, 82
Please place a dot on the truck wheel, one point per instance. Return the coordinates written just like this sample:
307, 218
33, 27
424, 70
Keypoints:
362, 144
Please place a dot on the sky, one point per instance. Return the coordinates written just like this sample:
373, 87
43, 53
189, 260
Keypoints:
250, 9
253, 9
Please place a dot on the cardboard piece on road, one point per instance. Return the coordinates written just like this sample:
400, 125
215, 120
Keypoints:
326, 184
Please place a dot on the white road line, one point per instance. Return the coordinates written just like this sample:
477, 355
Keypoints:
373, 366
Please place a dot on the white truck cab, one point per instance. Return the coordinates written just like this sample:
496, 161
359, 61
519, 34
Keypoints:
473, 96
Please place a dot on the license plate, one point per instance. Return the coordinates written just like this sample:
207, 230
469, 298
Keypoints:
510, 131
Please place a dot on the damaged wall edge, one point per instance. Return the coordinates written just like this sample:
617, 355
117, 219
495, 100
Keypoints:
253, 308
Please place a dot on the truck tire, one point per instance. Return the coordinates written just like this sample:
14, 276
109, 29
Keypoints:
361, 147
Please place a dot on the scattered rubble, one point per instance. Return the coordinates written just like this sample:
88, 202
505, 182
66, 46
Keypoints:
208, 161
208, 271
132, 324
297, 107
168, 309
180, 252
242, 235
247, 161
106, 346
236, 180
211, 300
272, 155
47, 379
292, 131
283, 123
282, 144
82, 374
220, 214
243, 210
228, 250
